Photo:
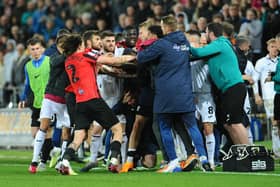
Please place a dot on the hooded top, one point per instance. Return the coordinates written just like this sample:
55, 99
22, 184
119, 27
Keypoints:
172, 76
223, 67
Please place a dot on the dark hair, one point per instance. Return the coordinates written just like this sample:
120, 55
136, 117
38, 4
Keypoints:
216, 28
156, 29
62, 32
228, 29
193, 32
241, 40
87, 35
71, 43
35, 40
106, 33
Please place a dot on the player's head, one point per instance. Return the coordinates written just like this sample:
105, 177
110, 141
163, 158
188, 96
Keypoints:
36, 47
155, 31
108, 41
143, 29
92, 39
72, 43
193, 37
272, 48
168, 24
213, 31
243, 43
130, 34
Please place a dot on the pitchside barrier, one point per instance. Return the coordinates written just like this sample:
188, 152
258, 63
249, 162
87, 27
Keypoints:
15, 128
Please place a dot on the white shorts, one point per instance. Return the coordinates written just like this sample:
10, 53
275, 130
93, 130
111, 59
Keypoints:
206, 107
247, 106
268, 106
50, 108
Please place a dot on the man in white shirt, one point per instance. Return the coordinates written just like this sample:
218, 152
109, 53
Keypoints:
264, 67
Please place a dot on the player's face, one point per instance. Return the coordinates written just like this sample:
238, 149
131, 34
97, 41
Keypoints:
272, 49
96, 42
36, 50
109, 44
143, 33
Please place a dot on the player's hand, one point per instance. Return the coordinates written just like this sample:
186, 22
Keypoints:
21, 104
268, 79
258, 99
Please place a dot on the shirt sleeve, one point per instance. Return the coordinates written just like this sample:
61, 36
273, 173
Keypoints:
207, 50
150, 53
26, 86
276, 77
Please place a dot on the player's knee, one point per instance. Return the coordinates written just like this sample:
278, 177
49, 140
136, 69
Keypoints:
116, 129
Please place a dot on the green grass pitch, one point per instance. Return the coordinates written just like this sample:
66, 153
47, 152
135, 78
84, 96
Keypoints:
14, 165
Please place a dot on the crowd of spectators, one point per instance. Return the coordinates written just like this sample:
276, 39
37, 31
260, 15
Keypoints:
21, 19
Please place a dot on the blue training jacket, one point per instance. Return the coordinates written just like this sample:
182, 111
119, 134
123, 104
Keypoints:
172, 75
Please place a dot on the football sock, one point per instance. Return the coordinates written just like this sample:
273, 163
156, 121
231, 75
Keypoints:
96, 142
130, 154
38, 144
124, 148
210, 147
275, 140
250, 136
46, 149
115, 149
63, 148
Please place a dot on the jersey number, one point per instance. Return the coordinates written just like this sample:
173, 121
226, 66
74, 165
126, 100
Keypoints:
73, 69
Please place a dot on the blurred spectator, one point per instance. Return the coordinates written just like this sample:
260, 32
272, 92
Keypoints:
19, 9
38, 16
182, 19
16, 34
4, 24
252, 28
202, 24
28, 12
18, 76
143, 11
157, 9
10, 57
234, 17
101, 24
271, 21
86, 22
129, 21
121, 24
2, 78
49, 29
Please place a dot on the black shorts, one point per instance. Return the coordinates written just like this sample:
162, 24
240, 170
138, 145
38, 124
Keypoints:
232, 102
71, 105
35, 116
145, 102
94, 110
277, 107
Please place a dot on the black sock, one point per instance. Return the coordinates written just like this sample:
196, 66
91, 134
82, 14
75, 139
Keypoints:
115, 149
46, 149
69, 154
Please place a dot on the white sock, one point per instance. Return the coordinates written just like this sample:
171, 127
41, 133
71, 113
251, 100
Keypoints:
210, 146
38, 144
63, 148
96, 142
174, 162
250, 136
81, 151
275, 140
130, 158
124, 148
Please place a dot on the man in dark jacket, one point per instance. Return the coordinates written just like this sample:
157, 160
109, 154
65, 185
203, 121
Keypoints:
173, 90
